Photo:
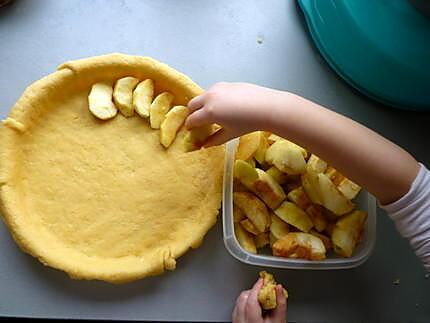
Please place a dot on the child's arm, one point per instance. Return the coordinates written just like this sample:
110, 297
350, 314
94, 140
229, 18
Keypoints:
380, 166
383, 168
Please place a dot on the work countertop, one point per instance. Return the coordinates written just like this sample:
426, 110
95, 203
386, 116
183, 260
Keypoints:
264, 42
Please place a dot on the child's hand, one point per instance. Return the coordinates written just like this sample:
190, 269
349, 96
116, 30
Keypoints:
248, 309
238, 107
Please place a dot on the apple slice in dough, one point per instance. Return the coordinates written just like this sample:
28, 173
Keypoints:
100, 101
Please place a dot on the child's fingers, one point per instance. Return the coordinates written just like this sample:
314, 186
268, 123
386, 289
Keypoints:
218, 138
197, 118
280, 312
253, 308
239, 309
197, 102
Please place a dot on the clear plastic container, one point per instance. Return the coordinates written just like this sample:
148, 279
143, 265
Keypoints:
365, 202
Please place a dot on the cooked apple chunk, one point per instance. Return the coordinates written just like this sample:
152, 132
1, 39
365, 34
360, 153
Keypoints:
292, 214
316, 164
259, 182
332, 199
299, 197
249, 226
278, 227
252, 144
286, 157
245, 239
348, 188
254, 209
347, 231
277, 175
300, 245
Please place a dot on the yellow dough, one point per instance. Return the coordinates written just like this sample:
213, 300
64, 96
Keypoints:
103, 199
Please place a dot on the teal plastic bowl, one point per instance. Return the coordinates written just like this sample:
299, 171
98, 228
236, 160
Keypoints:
380, 47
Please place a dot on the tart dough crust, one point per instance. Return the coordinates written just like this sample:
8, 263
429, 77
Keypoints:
103, 199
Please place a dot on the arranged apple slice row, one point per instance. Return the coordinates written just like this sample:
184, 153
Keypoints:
130, 95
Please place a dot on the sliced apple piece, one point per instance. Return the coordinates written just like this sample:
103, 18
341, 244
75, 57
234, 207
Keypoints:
259, 182
292, 214
245, 173
346, 233
245, 239
277, 175
300, 245
316, 164
251, 162
334, 175
159, 108
325, 240
302, 150
100, 101
248, 145
268, 189
286, 157
238, 215
143, 95
123, 95
254, 209
331, 198
249, 226
272, 138
310, 185
278, 228
238, 186
299, 197
251, 145
315, 212
348, 188
260, 154
171, 124
196, 137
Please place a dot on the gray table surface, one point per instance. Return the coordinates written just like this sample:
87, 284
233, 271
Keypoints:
210, 41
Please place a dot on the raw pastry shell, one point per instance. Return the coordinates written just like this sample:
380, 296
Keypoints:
103, 199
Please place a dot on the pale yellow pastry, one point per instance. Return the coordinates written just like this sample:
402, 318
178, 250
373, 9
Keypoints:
172, 123
159, 108
103, 200
143, 95
123, 95
100, 101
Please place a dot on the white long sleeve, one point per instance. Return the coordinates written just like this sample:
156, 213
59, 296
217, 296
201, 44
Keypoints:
411, 215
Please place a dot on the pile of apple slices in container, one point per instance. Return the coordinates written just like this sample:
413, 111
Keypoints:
291, 200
